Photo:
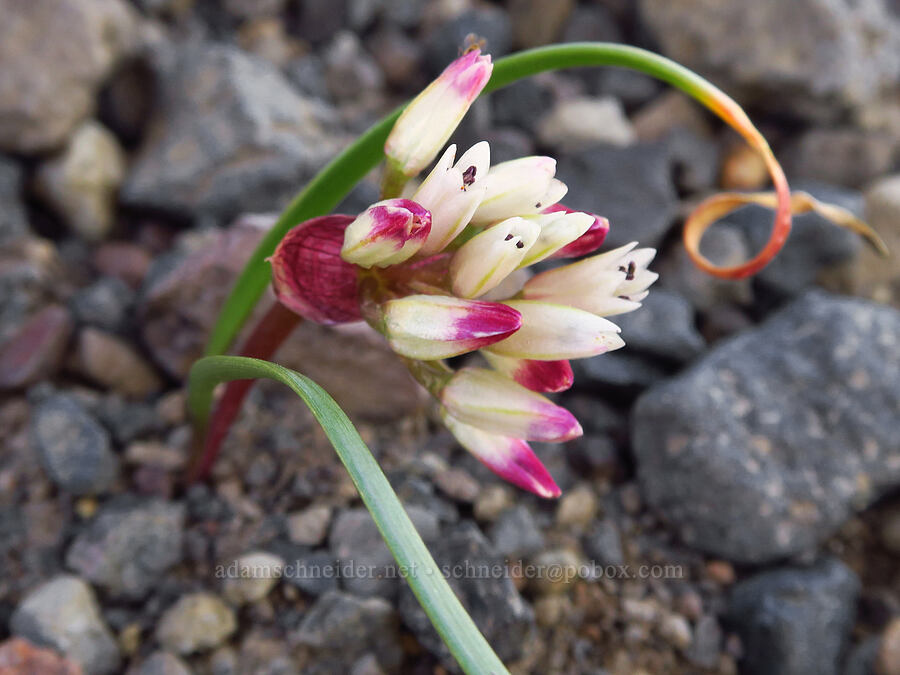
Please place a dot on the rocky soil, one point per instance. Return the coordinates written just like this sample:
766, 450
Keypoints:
733, 506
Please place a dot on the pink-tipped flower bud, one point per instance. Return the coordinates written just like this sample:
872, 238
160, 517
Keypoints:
551, 332
431, 117
588, 242
510, 458
310, 278
386, 233
428, 327
492, 402
543, 376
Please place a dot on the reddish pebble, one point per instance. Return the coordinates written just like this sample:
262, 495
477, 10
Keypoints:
20, 657
123, 260
35, 351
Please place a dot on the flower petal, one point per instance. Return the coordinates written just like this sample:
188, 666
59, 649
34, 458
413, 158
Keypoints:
542, 376
588, 242
510, 458
386, 233
428, 327
486, 399
518, 187
550, 332
452, 193
484, 261
430, 118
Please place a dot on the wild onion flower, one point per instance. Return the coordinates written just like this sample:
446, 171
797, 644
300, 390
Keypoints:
445, 272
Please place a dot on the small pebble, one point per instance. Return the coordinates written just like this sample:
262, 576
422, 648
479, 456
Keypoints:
309, 526
196, 622
676, 630
577, 508
251, 577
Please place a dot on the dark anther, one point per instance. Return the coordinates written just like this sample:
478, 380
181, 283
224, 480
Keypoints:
629, 271
468, 177
538, 205
520, 244
508, 237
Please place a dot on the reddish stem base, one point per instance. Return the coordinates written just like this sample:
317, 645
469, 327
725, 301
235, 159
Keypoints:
269, 334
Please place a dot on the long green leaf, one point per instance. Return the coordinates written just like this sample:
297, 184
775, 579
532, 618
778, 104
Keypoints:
454, 625
333, 183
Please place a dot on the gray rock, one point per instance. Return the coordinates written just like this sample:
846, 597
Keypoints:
724, 244
846, 56
861, 658
351, 73
842, 156
81, 183
706, 644
795, 621
13, 219
319, 20
578, 122
874, 275
258, 573
105, 304
314, 573
356, 541
814, 245
485, 21
63, 614
74, 449
128, 547
617, 371
29, 271
632, 187
663, 327
521, 104
161, 663
340, 628
786, 429
516, 533
604, 544
243, 140
36, 349
55, 55
695, 157
491, 599
196, 622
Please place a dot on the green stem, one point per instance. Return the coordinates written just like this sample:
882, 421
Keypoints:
455, 626
333, 182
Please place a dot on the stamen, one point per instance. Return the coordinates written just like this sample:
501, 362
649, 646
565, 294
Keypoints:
507, 237
629, 271
520, 244
468, 177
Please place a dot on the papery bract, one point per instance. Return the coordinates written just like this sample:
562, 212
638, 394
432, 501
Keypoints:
429, 327
310, 278
430, 118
